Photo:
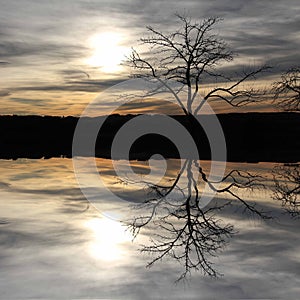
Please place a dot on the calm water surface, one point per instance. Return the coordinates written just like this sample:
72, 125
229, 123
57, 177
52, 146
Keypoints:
56, 245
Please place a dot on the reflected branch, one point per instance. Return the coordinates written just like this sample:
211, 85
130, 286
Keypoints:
287, 188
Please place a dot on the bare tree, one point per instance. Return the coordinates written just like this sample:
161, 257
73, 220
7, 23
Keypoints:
287, 188
287, 90
186, 231
287, 177
190, 55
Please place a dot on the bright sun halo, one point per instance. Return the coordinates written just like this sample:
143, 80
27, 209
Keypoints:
108, 51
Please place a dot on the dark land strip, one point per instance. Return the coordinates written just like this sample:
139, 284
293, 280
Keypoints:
250, 137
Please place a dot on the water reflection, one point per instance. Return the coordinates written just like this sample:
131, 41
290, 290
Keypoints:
107, 239
48, 232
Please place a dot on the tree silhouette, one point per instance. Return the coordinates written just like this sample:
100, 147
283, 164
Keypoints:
287, 90
190, 55
287, 178
184, 229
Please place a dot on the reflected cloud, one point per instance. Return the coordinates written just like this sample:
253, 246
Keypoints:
46, 248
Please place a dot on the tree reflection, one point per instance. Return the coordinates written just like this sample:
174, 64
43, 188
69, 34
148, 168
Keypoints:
287, 188
185, 229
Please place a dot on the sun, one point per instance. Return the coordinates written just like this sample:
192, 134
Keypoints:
108, 237
108, 51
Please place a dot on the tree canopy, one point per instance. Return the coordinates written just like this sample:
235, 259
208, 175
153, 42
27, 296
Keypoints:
191, 55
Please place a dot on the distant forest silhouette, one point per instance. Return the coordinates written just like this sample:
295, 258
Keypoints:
250, 137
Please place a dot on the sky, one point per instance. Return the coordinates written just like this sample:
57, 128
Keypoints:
57, 56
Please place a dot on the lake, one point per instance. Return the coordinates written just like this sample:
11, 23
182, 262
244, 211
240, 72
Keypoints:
56, 245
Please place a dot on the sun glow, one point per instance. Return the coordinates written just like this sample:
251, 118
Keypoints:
108, 237
108, 52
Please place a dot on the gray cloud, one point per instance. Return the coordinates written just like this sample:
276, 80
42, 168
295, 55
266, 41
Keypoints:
4, 93
90, 85
33, 102
74, 74
251, 26
253, 29
49, 39
39, 51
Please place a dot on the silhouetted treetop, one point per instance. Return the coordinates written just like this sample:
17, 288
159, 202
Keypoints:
189, 55
287, 90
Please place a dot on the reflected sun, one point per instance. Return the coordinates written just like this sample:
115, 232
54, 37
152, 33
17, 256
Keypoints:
108, 237
108, 52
